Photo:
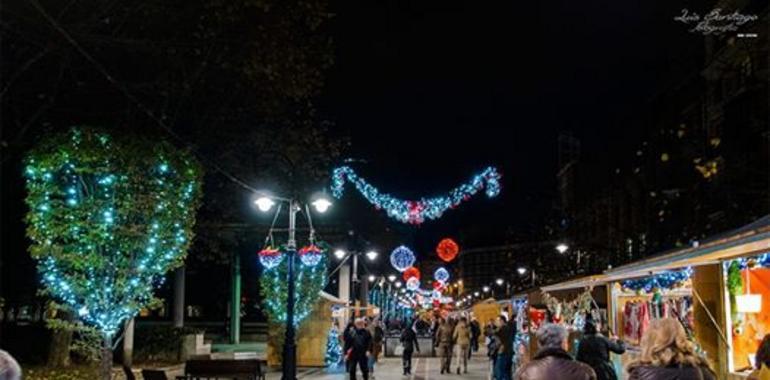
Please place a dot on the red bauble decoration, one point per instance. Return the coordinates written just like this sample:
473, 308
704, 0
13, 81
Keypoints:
447, 249
438, 285
411, 272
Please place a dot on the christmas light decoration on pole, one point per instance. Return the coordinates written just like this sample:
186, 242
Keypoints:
417, 211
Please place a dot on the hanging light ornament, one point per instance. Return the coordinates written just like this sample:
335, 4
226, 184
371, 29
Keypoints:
270, 257
441, 275
438, 285
413, 284
402, 258
447, 249
411, 272
310, 255
417, 211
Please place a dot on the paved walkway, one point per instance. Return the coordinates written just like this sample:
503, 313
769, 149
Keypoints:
390, 369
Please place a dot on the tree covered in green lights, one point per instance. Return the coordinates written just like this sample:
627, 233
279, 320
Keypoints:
108, 217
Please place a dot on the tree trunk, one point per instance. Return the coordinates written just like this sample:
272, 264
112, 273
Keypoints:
105, 370
61, 340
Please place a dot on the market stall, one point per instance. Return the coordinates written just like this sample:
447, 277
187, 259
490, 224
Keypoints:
694, 285
570, 303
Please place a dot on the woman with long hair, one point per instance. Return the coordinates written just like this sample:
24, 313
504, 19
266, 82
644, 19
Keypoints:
667, 354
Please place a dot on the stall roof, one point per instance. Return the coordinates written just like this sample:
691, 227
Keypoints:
577, 283
751, 239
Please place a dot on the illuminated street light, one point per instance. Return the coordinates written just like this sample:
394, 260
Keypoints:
485, 289
522, 271
322, 204
499, 282
372, 278
398, 284
371, 255
392, 277
475, 294
562, 247
340, 253
264, 204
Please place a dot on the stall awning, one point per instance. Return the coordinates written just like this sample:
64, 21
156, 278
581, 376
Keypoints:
752, 239
577, 283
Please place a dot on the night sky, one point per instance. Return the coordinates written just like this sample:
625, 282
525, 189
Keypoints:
431, 92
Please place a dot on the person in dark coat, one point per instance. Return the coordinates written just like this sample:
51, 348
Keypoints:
475, 333
409, 341
668, 354
594, 350
503, 363
553, 361
360, 344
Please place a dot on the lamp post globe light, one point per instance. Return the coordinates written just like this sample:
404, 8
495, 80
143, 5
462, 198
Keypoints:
371, 255
499, 282
340, 253
265, 203
561, 247
391, 277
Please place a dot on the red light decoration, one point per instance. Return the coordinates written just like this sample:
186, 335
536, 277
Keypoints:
438, 285
447, 249
411, 272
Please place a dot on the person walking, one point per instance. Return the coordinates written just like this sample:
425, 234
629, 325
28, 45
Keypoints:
667, 353
360, 344
475, 333
409, 342
462, 340
444, 344
493, 347
377, 335
553, 361
504, 361
594, 350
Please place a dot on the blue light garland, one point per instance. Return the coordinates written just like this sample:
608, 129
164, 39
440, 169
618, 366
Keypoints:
417, 211
664, 280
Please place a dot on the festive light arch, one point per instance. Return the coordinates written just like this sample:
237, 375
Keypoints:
417, 211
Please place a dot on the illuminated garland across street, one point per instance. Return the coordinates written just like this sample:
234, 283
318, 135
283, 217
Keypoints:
417, 211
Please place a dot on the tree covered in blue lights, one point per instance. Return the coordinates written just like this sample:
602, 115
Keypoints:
108, 217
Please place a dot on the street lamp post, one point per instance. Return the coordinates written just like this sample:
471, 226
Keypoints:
265, 203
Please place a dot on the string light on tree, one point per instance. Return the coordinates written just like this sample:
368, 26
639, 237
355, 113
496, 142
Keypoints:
108, 217
333, 356
417, 211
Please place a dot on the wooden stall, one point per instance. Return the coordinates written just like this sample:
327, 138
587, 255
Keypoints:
706, 291
312, 333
